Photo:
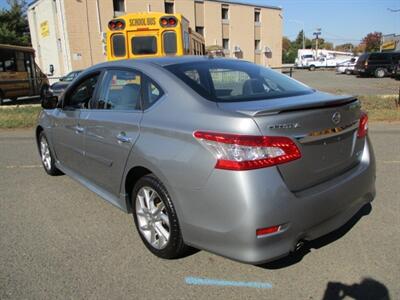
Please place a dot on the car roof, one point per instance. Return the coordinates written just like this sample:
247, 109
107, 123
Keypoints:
165, 61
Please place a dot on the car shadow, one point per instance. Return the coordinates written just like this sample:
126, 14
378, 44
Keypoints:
367, 289
298, 255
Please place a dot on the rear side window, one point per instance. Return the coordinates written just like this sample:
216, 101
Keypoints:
142, 45
152, 93
169, 41
118, 45
236, 81
379, 57
120, 91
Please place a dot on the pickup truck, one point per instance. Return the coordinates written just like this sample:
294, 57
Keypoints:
322, 62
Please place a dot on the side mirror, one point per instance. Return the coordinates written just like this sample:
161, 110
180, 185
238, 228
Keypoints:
49, 102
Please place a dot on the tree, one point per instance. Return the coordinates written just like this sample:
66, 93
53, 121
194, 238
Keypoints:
345, 47
372, 41
286, 44
289, 50
298, 42
360, 48
299, 39
14, 28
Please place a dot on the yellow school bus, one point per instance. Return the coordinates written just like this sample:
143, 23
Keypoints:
19, 74
152, 34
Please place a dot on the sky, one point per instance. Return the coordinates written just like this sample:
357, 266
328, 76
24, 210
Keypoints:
341, 21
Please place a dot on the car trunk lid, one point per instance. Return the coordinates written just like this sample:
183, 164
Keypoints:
323, 126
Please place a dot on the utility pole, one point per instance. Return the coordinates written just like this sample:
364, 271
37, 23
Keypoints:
317, 34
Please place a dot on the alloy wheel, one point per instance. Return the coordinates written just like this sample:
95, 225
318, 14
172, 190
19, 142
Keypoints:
152, 217
45, 153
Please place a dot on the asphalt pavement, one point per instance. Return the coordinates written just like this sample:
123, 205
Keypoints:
328, 80
59, 240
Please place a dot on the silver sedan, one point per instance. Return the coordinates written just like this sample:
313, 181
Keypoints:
211, 153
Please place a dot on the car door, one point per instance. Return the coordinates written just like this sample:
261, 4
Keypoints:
67, 132
112, 128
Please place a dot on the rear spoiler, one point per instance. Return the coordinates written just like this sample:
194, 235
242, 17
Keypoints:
277, 109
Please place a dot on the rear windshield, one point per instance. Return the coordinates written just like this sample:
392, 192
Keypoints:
144, 45
236, 81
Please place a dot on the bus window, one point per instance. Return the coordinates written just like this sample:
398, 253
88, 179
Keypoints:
169, 39
20, 62
186, 42
118, 45
144, 45
9, 61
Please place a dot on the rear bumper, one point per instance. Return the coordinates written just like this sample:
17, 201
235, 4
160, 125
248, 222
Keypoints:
223, 216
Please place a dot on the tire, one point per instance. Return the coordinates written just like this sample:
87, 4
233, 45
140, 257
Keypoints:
47, 157
348, 72
311, 68
159, 229
380, 73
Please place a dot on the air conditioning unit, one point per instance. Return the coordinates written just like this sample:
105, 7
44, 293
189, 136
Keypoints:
267, 50
237, 49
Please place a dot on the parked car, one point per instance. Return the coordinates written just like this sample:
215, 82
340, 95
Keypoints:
212, 153
347, 67
57, 88
322, 62
378, 64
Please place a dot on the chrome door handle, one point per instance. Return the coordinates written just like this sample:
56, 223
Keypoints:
122, 138
79, 129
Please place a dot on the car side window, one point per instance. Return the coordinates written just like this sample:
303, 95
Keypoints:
121, 90
152, 93
83, 92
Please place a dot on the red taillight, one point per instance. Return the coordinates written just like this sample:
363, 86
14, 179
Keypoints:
164, 22
363, 125
247, 152
265, 231
116, 25
168, 21
172, 22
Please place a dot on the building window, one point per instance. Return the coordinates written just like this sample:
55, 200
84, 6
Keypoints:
225, 44
169, 7
200, 30
225, 13
257, 45
257, 16
119, 5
